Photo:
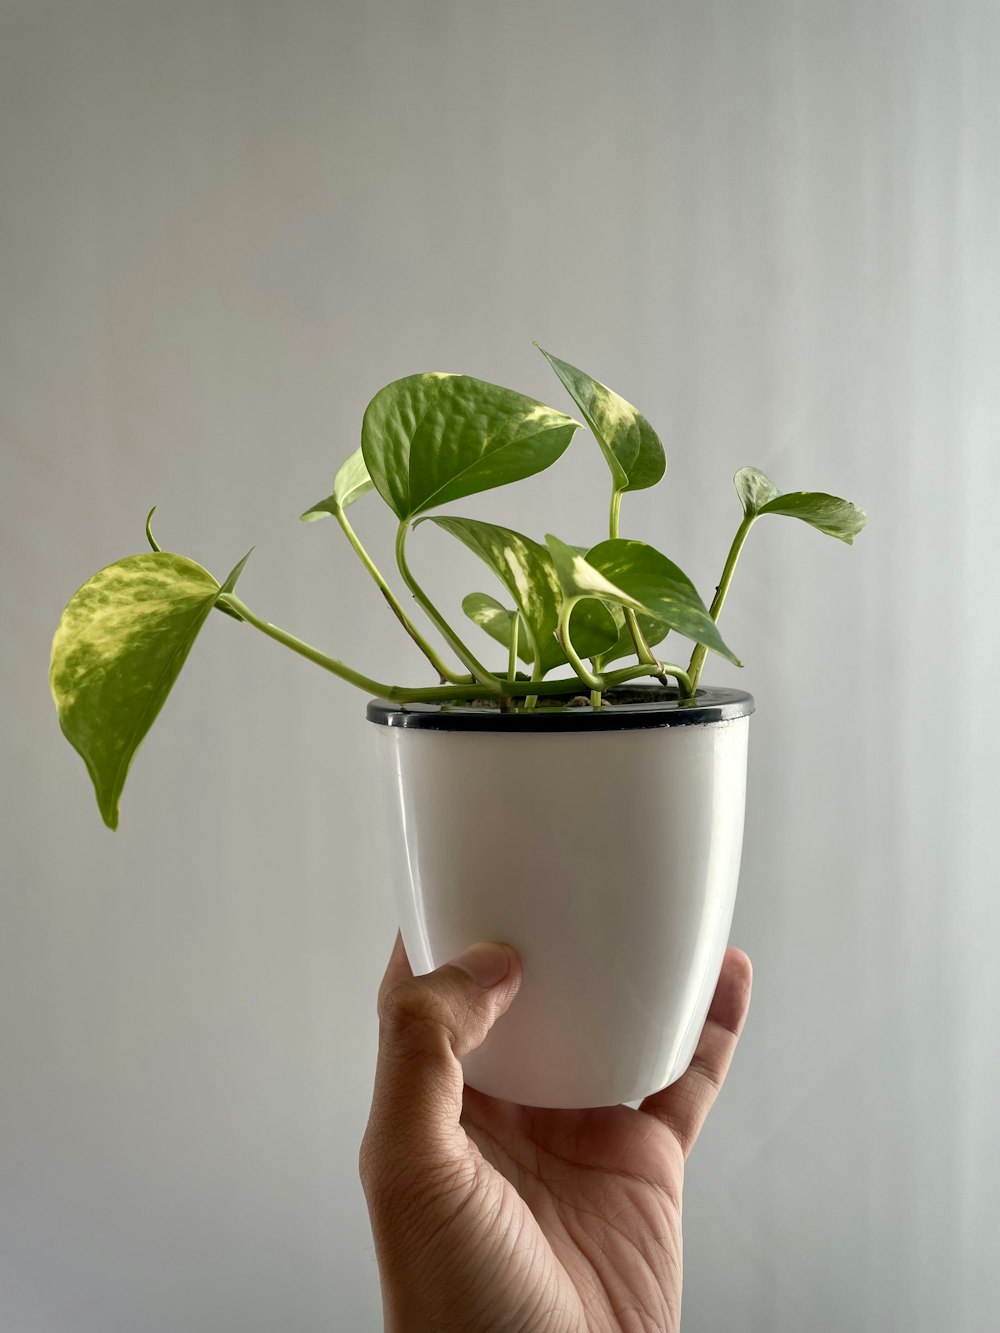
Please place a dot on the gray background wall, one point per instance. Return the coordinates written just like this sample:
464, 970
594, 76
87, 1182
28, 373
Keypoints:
774, 226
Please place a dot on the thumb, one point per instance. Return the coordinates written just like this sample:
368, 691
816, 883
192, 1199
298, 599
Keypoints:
425, 1024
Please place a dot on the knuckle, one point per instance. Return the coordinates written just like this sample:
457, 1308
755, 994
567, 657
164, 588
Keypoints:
414, 1015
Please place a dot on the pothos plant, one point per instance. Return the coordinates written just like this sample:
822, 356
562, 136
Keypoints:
426, 442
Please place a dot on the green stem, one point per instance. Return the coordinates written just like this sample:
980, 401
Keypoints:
701, 652
512, 655
626, 674
590, 680
423, 601
444, 671
616, 509
536, 674
434, 693
642, 649
304, 649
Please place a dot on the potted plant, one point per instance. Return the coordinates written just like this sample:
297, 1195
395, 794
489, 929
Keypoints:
592, 818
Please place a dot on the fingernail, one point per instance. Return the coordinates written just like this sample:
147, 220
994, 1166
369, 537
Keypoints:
486, 964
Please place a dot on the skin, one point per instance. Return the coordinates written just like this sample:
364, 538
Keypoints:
489, 1216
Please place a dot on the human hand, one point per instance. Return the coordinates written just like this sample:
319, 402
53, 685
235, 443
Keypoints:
497, 1218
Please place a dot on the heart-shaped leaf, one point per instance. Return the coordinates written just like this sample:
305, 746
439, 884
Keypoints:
526, 570
498, 622
119, 647
631, 446
350, 484
827, 513
429, 439
639, 578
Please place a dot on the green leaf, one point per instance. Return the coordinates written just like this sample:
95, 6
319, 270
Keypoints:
526, 570
638, 577
232, 578
631, 446
579, 578
350, 484
230, 586
321, 509
352, 481
754, 489
119, 647
827, 513
498, 622
429, 439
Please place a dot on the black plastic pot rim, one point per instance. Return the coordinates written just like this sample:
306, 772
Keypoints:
631, 708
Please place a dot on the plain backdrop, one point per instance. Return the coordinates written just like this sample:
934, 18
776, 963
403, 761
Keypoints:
772, 224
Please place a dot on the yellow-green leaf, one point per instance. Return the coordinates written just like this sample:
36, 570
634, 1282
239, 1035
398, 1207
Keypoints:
119, 647
498, 622
641, 579
633, 450
350, 484
827, 513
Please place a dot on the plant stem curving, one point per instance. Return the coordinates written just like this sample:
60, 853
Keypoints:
701, 652
403, 694
424, 602
642, 649
444, 671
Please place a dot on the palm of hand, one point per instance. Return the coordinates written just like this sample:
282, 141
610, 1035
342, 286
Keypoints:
500, 1218
590, 1199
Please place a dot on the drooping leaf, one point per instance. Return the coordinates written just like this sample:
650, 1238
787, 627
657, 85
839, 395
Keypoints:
526, 570
498, 622
429, 439
638, 577
350, 484
633, 449
827, 513
664, 590
119, 647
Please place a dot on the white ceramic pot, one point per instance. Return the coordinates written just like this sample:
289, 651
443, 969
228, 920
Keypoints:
604, 845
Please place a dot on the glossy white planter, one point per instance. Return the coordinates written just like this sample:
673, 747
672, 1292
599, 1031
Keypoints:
604, 846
